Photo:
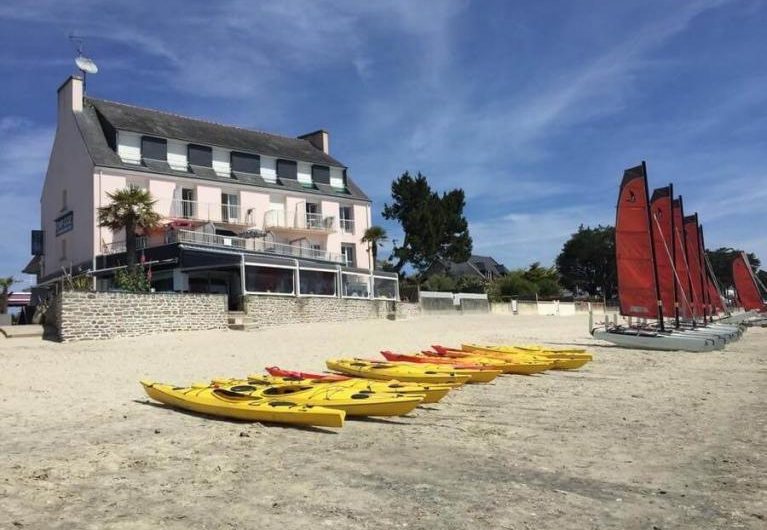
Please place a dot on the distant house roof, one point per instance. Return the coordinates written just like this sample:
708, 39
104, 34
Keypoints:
100, 119
479, 266
487, 263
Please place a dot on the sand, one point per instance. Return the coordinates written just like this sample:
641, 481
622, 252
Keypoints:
632, 440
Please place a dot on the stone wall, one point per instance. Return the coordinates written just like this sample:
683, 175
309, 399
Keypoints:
265, 310
407, 310
83, 316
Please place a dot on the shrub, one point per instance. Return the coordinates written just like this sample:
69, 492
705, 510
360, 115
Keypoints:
132, 279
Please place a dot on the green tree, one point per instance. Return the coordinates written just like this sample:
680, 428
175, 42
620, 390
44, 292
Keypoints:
439, 282
762, 275
721, 262
471, 284
434, 226
513, 285
587, 261
374, 237
5, 285
131, 209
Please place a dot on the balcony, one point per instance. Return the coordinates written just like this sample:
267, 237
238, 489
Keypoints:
115, 247
203, 239
202, 211
300, 222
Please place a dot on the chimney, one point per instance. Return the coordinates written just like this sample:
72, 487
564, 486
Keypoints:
71, 95
319, 139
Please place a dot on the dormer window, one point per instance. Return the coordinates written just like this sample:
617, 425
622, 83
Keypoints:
245, 163
199, 155
321, 174
154, 148
287, 169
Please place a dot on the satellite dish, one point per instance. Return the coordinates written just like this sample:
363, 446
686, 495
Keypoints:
86, 65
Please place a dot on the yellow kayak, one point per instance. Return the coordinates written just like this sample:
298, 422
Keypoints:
387, 371
217, 402
477, 374
541, 348
432, 393
350, 400
541, 354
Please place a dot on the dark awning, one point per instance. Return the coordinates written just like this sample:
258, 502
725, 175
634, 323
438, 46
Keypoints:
200, 259
33, 267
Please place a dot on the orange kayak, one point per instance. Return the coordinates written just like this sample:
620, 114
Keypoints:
401, 357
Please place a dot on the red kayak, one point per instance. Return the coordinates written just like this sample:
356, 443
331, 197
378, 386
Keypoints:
279, 372
400, 357
444, 351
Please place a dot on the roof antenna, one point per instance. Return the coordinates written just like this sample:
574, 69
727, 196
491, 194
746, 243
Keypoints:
84, 64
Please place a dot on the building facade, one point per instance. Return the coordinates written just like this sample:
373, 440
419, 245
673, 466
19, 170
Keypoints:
242, 211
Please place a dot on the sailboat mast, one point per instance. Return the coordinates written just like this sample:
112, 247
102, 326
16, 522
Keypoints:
652, 250
687, 260
700, 273
673, 253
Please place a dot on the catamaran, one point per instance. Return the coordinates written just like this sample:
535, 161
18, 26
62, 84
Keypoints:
749, 289
663, 276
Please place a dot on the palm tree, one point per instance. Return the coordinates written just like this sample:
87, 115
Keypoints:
374, 237
132, 209
5, 285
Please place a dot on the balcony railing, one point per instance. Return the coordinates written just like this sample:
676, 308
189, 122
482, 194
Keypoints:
253, 245
347, 225
202, 211
115, 247
299, 221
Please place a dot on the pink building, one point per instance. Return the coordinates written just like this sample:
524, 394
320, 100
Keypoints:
244, 212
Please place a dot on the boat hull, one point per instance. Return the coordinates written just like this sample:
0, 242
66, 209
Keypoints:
207, 401
642, 340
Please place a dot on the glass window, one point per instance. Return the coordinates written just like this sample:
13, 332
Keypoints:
317, 282
347, 219
287, 169
154, 148
385, 288
321, 174
347, 251
230, 207
245, 163
313, 217
187, 203
356, 285
199, 155
268, 280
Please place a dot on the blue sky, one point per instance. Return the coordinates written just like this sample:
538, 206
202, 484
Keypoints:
534, 108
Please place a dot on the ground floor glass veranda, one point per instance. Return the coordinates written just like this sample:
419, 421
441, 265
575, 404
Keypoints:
233, 273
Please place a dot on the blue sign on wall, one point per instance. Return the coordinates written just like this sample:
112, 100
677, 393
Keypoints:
65, 223
37, 243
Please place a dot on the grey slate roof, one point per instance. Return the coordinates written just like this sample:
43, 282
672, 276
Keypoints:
475, 266
100, 118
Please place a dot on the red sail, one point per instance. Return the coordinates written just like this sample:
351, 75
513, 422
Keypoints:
633, 247
716, 297
693, 261
682, 271
745, 284
661, 211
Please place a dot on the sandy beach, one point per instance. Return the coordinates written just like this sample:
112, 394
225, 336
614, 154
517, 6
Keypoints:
632, 440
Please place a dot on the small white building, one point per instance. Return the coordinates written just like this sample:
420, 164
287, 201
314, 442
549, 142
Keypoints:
243, 211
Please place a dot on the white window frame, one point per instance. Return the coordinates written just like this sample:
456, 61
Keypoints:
373, 288
366, 276
335, 272
296, 286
